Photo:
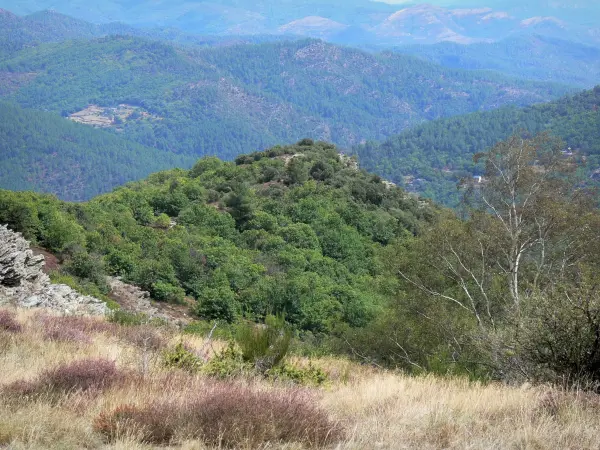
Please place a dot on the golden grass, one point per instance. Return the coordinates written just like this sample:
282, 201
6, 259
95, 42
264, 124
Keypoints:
378, 410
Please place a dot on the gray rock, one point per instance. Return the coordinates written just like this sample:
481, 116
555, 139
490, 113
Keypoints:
23, 283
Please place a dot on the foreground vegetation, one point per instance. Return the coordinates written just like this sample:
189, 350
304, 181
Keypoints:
101, 385
353, 265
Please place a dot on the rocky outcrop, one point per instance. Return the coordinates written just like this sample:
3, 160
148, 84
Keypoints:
23, 283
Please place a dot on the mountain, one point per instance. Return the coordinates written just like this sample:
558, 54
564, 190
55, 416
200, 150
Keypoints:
533, 57
433, 157
378, 23
228, 99
41, 151
19, 32
295, 230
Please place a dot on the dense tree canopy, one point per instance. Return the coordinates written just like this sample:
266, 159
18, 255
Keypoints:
293, 230
433, 157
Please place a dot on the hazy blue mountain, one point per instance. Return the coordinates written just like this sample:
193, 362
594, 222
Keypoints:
534, 57
376, 23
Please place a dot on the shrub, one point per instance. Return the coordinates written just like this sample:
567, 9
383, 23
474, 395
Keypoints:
227, 415
143, 337
264, 346
228, 363
310, 375
182, 357
79, 323
8, 322
54, 329
166, 292
127, 318
81, 375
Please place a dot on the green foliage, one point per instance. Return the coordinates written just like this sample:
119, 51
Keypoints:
242, 248
311, 375
128, 318
166, 292
264, 346
433, 157
228, 363
181, 358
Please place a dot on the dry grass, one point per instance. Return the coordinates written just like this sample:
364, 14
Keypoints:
376, 410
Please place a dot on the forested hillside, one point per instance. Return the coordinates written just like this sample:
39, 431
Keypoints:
294, 230
533, 57
433, 157
228, 100
43, 152
19, 32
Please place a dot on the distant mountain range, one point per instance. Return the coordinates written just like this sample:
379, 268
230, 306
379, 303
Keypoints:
345, 21
534, 57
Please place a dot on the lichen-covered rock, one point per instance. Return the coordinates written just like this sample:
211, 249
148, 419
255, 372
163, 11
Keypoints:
23, 283
17, 261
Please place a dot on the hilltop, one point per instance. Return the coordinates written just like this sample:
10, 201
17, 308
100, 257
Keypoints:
296, 230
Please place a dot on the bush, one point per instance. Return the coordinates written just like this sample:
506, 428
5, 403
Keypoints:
166, 292
8, 322
226, 415
143, 337
55, 329
228, 363
311, 375
128, 318
82, 375
264, 346
182, 357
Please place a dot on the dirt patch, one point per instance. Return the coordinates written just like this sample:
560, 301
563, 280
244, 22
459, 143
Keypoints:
132, 298
52, 262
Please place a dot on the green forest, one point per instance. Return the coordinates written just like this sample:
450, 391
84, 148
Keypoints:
249, 97
43, 152
294, 230
438, 154
355, 265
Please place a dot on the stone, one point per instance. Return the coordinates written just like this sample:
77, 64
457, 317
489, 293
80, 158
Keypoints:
24, 284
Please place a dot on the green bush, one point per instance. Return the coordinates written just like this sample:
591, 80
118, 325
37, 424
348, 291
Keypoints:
181, 357
166, 292
128, 318
265, 346
311, 375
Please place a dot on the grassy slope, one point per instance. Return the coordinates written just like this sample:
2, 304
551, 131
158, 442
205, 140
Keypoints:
382, 410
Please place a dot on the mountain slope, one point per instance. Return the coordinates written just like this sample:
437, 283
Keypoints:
43, 152
383, 23
532, 57
227, 100
432, 158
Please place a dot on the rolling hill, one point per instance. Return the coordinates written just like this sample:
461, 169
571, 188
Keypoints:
433, 157
227, 100
43, 152
534, 57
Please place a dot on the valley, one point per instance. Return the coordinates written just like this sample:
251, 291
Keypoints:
299, 225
